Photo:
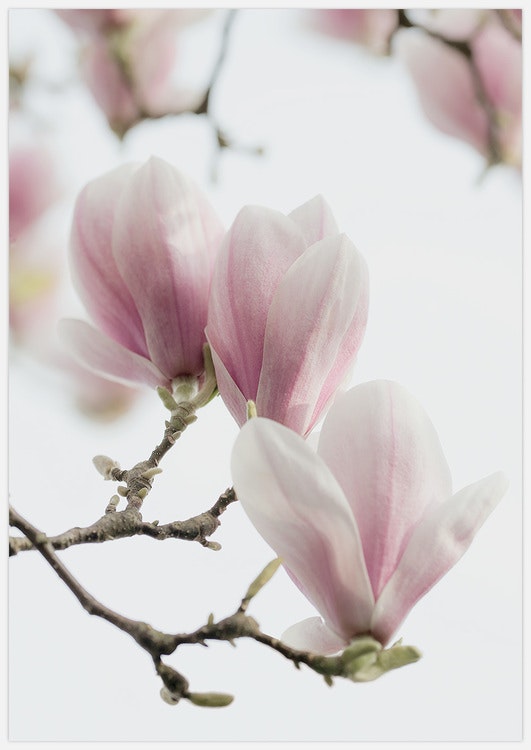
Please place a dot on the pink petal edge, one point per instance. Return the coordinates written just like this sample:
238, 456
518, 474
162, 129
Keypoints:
313, 635
437, 544
103, 356
299, 509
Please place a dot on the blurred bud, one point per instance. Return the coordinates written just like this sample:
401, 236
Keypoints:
474, 97
105, 465
260, 581
210, 700
169, 697
128, 59
33, 185
370, 28
287, 313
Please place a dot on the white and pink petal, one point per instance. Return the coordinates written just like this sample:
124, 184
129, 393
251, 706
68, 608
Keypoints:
313, 635
315, 220
256, 253
383, 450
95, 274
437, 543
104, 356
165, 239
299, 509
309, 345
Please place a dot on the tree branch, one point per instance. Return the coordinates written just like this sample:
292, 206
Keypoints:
150, 639
138, 482
363, 660
129, 523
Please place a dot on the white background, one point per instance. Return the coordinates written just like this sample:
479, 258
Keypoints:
444, 250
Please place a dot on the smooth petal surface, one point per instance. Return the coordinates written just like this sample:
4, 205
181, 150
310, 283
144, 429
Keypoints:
313, 635
297, 506
314, 329
445, 86
315, 220
383, 450
105, 357
232, 396
165, 238
436, 545
257, 251
94, 271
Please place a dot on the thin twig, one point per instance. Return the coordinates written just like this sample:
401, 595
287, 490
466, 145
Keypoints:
129, 523
152, 640
364, 659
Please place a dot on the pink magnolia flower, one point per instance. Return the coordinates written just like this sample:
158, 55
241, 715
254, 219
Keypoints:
448, 90
94, 20
33, 186
35, 275
143, 244
287, 313
34, 257
372, 28
498, 56
128, 59
368, 524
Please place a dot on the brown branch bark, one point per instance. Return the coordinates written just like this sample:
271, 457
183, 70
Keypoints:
129, 523
364, 659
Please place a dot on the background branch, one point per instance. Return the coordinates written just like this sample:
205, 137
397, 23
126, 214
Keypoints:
465, 48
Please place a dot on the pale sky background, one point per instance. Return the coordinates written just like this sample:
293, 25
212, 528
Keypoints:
444, 251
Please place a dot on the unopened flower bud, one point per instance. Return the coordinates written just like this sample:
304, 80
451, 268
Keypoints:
261, 580
210, 700
169, 697
104, 465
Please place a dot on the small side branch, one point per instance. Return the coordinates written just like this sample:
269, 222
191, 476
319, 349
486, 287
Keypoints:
129, 522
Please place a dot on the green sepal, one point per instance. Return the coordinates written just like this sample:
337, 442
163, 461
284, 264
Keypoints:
166, 397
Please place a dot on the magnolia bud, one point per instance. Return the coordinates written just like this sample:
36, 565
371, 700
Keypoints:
210, 700
169, 697
261, 580
105, 465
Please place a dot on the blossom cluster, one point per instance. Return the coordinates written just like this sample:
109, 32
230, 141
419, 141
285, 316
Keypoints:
465, 66
127, 60
368, 522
